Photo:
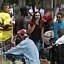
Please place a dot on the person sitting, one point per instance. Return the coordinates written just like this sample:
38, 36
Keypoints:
25, 48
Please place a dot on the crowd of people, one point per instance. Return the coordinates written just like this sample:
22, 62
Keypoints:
29, 36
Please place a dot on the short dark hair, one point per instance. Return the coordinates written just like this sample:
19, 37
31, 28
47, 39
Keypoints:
61, 32
4, 4
60, 13
23, 9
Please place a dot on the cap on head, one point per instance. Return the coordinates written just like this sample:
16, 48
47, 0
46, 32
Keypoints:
22, 32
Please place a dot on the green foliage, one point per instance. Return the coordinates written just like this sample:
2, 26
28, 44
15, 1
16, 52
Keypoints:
31, 2
12, 1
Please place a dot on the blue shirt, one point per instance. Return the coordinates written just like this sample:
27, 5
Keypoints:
28, 49
57, 26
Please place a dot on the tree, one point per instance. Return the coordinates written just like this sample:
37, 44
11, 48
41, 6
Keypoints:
1, 1
11, 1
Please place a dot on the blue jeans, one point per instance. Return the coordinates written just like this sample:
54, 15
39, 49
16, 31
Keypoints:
41, 49
38, 44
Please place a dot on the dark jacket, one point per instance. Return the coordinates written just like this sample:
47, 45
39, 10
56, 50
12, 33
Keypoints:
20, 23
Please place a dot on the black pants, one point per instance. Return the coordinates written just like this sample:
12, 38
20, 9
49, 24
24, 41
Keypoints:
13, 57
61, 54
57, 54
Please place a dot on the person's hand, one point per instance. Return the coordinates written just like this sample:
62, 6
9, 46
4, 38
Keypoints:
6, 53
10, 28
48, 48
37, 22
7, 27
1, 28
44, 20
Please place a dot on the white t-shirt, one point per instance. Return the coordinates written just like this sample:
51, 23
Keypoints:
42, 11
60, 40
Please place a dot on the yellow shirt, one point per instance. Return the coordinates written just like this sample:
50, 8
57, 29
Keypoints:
5, 35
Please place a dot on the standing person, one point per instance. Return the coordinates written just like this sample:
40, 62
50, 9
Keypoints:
5, 27
47, 19
20, 23
26, 47
48, 28
36, 30
58, 24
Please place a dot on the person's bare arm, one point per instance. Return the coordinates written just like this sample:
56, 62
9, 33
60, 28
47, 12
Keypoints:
31, 29
9, 26
42, 36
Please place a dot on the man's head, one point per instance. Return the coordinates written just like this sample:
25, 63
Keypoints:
59, 16
61, 32
24, 11
22, 33
5, 7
